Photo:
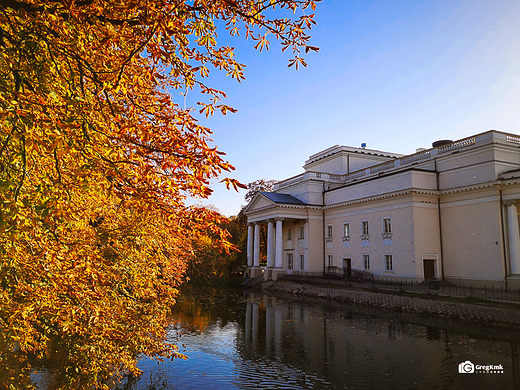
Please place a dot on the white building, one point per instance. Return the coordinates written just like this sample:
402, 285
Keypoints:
448, 212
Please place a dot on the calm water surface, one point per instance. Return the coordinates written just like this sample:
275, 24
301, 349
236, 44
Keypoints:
251, 340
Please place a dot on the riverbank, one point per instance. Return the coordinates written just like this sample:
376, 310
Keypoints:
502, 315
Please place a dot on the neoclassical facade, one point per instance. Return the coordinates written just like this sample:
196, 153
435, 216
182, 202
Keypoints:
448, 212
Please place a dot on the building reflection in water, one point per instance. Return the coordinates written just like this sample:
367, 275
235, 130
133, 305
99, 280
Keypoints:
368, 348
251, 340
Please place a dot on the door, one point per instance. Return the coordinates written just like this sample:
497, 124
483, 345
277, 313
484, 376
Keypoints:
290, 263
429, 269
347, 267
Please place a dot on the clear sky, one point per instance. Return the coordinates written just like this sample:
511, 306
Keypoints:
396, 75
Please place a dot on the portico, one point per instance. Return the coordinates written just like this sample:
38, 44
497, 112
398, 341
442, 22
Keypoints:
274, 246
286, 219
278, 249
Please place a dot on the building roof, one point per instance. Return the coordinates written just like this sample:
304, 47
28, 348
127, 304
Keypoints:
337, 149
282, 198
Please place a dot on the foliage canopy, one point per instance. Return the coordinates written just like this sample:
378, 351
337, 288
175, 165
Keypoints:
96, 161
260, 185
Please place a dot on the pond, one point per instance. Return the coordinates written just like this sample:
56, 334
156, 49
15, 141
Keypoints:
247, 339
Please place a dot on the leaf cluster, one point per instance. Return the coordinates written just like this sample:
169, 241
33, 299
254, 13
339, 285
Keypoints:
96, 161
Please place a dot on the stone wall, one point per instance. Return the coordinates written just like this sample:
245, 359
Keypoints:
457, 311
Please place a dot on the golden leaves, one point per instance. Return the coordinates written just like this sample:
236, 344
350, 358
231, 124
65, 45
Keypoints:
296, 61
262, 43
96, 160
233, 183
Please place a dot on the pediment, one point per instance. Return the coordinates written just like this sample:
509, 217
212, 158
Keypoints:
258, 202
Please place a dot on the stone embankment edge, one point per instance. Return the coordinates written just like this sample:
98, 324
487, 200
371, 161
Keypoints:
455, 311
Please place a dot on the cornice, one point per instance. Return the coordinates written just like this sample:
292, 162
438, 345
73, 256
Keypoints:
375, 198
284, 206
508, 182
479, 186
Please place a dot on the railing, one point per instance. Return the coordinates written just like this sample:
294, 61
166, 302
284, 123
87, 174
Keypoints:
382, 167
513, 138
365, 280
355, 175
352, 273
422, 155
306, 176
290, 181
456, 145
403, 161
415, 157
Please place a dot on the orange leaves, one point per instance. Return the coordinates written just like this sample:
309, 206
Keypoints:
262, 43
97, 158
208, 109
224, 109
236, 73
233, 183
296, 61
313, 48
308, 20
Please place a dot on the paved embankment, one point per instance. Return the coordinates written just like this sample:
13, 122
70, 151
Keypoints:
446, 309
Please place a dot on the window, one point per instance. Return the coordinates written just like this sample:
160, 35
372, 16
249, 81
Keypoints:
290, 261
387, 225
330, 260
346, 230
389, 263
302, 262
302, 232
329, 231
364, 228
366, 261
289, 234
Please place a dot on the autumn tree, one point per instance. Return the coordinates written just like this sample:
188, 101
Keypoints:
260, 185
96, 161
209, 262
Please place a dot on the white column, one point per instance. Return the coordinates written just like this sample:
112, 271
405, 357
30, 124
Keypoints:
296, 246
248, 321
306, 244
278, 329
514, 237
279, 243
255, 323
269, 322
250, 245
256, 251
270, 257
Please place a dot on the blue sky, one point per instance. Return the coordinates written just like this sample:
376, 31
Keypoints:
397, 75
